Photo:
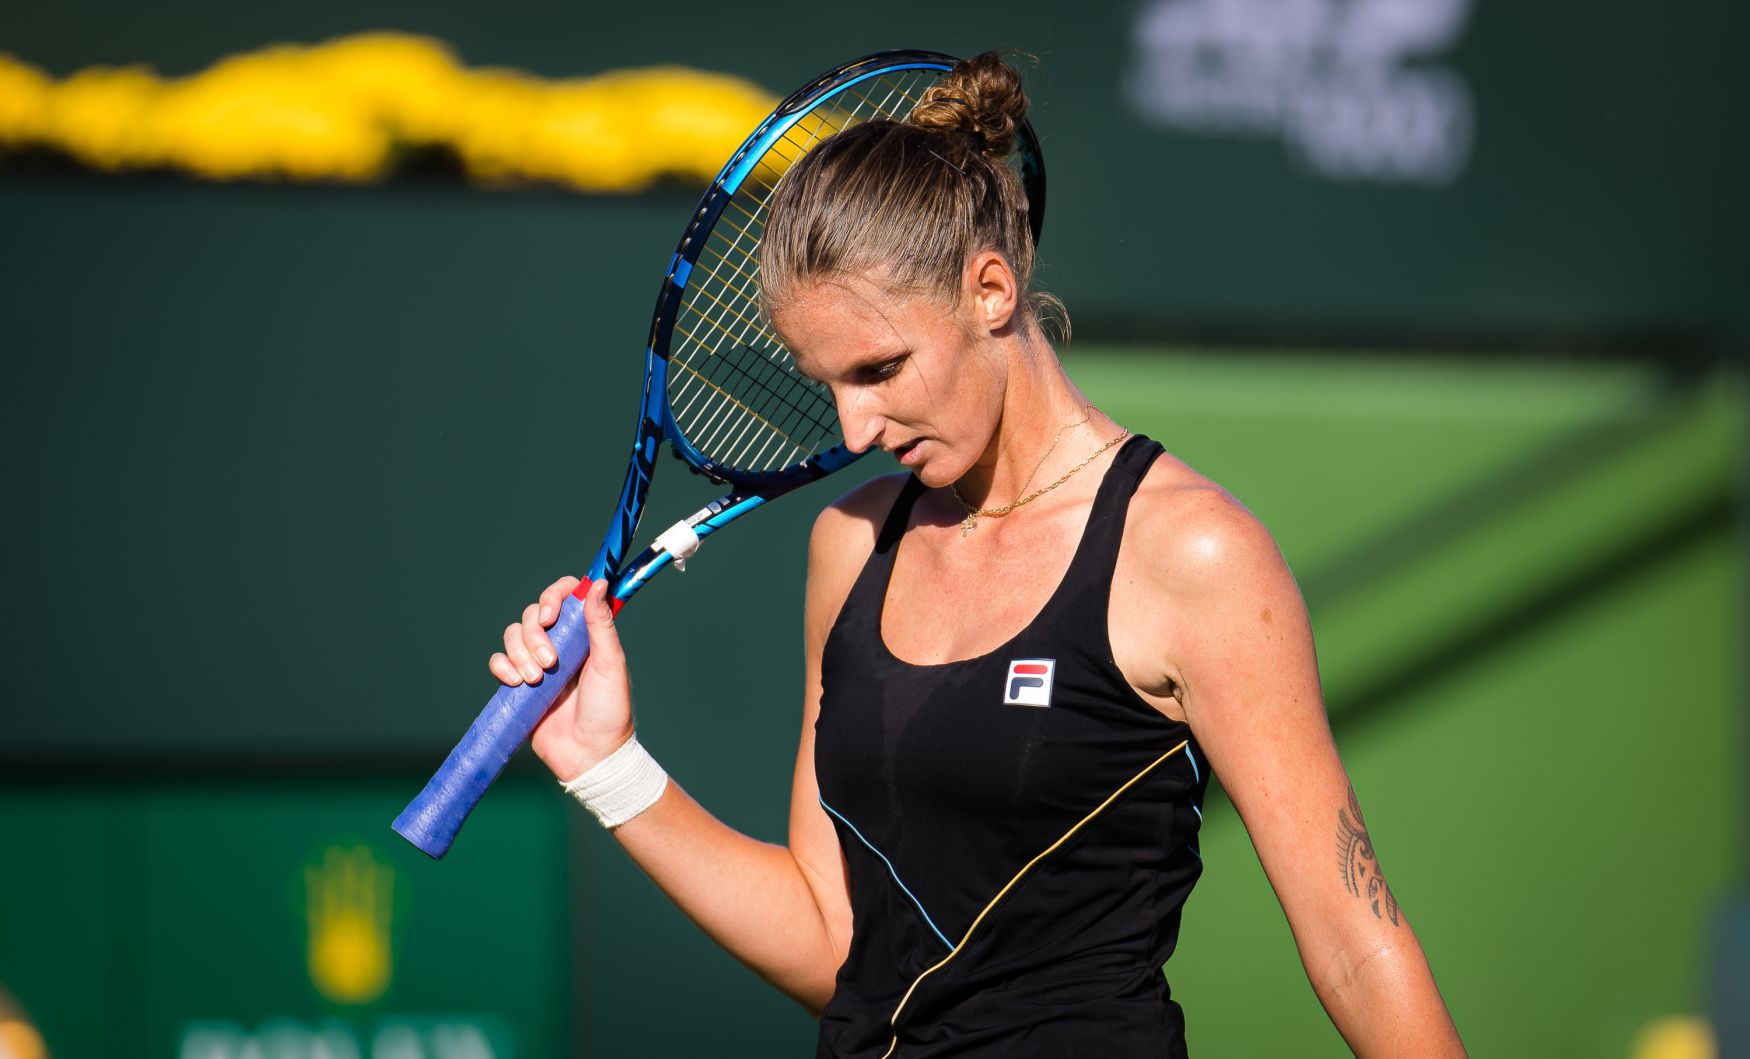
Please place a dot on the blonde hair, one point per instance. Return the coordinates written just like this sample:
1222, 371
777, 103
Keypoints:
912, 201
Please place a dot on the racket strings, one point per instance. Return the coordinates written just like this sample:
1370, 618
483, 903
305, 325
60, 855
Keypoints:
737, 395
796, 407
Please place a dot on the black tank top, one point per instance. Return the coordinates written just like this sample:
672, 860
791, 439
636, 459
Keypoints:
1019, 828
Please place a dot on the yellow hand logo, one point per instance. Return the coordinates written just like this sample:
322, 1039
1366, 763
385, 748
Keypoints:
349, 910
18, 1038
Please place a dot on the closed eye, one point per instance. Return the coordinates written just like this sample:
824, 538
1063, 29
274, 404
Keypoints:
883, 370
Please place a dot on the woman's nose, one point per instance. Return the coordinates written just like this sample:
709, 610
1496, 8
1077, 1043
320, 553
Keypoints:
861, 424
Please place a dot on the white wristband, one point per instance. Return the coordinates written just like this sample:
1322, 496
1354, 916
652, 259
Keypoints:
621, 785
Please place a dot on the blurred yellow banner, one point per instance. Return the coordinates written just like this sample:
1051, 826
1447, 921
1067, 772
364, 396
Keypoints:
345, 109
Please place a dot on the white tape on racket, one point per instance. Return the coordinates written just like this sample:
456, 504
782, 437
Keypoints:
679, 541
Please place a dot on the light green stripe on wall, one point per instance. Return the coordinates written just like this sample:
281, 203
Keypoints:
1558, 813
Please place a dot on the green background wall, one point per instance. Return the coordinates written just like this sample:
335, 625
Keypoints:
282, 460
1597, 195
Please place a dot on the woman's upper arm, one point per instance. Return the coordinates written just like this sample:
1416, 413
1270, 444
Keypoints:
843, 537
1243, 658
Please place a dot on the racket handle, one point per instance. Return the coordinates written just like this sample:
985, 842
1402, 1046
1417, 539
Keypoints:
431, 820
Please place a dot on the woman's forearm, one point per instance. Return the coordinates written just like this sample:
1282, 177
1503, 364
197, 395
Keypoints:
1385, 1004
750, 897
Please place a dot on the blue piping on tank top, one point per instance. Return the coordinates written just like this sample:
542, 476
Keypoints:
892, 870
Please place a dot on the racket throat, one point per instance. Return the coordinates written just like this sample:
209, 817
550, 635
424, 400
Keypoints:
680, 541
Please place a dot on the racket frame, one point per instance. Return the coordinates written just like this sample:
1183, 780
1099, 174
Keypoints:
436, 815
656, 420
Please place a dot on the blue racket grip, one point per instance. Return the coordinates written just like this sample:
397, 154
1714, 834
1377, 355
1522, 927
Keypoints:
431, 820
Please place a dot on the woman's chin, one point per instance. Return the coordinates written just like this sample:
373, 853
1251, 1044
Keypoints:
932, 474
921, 468
931, 463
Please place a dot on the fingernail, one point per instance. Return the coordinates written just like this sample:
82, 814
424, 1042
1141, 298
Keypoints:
546, 656
531, 674
546, 615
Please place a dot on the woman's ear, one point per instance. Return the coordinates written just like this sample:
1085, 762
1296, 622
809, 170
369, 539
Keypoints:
990, 283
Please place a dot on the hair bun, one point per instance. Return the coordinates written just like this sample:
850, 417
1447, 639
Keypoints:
982, 97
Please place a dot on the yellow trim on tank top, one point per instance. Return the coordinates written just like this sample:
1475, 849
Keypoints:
1065, 837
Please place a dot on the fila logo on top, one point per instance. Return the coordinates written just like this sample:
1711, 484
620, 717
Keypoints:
1029, 682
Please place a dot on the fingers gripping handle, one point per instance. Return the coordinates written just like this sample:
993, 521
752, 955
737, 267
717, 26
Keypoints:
431, 820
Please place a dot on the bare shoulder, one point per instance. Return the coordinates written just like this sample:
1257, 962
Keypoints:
1198, 577
847, 527
1185, 534
843, 536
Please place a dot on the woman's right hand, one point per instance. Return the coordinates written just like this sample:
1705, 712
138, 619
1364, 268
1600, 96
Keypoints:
593, 715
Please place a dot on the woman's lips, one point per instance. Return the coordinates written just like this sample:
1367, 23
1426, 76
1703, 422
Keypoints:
907, 453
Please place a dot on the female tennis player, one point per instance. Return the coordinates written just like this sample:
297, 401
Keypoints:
1024, 657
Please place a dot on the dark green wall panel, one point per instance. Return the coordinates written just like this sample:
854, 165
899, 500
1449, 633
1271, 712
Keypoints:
1597, 190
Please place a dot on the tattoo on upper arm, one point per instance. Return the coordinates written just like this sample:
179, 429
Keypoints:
1361, 874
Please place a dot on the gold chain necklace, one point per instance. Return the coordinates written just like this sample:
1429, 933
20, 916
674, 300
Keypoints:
973, 514
1087, 414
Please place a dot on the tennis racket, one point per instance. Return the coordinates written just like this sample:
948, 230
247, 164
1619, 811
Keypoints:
719, 388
